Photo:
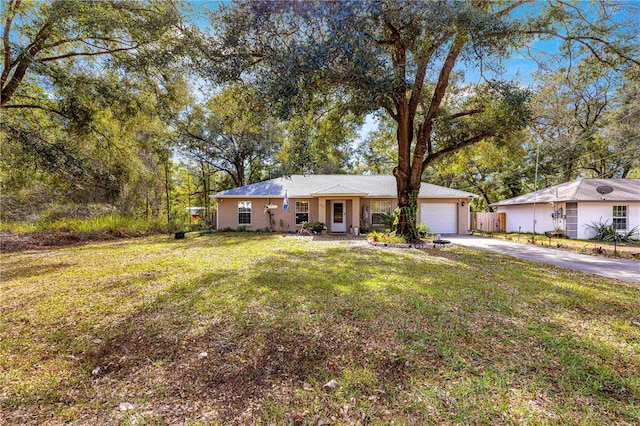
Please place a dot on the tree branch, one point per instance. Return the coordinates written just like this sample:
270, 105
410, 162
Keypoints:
450, 150
418, 83
465, 113
512, 6
583, 40
11, 13
72, 54
23, 61
29, 106
441, 85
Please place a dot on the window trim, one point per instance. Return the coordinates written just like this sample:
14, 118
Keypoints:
296, 212
374, 212
250, 212
625, 217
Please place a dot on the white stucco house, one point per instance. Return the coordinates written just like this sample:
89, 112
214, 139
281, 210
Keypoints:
571, 206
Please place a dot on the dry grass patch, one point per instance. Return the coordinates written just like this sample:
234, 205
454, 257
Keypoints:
242, 328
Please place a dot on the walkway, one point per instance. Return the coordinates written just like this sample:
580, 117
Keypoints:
619, 269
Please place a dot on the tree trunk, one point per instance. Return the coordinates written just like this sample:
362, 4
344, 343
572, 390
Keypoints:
166, 188
402, 171
240, 171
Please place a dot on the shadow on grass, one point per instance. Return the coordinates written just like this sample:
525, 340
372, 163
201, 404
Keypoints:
380, 322
15, 271
277, 323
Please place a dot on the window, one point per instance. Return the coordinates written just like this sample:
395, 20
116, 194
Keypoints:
620, 217
244, 212
302, 212
379, 208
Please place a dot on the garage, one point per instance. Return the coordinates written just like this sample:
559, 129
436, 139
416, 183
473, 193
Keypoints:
441, 217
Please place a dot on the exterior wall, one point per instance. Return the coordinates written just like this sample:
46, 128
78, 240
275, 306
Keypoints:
284, 221
588, 212
520, 217
319, 211
603, 211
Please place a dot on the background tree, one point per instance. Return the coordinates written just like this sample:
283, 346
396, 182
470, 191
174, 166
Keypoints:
317, 142
82, 111
569, 110
233, 133
620, 138
40, 39
377, 152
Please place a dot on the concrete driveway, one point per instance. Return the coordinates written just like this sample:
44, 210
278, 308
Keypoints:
619, 269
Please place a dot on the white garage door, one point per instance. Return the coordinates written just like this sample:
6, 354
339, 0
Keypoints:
441, 217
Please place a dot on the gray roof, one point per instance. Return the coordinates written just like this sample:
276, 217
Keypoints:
303, 186
580, 190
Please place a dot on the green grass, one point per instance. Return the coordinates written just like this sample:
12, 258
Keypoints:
111, 224
412, 337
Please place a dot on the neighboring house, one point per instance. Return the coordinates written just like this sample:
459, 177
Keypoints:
342, 202
572, 206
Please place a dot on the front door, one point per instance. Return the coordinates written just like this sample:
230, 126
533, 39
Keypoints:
338, 217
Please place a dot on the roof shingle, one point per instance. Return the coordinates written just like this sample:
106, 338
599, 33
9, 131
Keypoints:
580, 190
302, 186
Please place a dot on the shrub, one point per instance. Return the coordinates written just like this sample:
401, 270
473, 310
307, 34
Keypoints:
390, 221
605, 231
314, 227
423, 229
381, 237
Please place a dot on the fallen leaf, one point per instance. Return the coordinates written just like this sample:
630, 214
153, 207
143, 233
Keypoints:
331, 384
202, 355
126, 406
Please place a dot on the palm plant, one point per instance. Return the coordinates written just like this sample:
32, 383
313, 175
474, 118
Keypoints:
605, 231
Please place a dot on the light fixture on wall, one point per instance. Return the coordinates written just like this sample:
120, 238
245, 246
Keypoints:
462, 204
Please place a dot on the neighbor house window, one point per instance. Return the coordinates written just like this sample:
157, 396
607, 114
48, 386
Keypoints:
302, 212
244, 212
620, 217
379, 208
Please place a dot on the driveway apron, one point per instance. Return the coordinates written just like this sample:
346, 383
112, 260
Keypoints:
619, 269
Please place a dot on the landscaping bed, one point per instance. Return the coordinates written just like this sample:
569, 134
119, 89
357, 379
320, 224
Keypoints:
600, 248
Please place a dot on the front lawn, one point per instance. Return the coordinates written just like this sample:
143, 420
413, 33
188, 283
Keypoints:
246, 328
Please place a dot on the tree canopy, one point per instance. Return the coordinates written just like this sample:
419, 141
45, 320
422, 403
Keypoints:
97, 96
400, 57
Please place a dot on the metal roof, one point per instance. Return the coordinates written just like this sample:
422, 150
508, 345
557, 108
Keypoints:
580, 190
303, 186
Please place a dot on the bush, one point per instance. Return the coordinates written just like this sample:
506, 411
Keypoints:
605, 231
423, 229
314, 227
391, 238
390, 221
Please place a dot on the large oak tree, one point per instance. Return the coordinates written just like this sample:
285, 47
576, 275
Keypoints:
399, 57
